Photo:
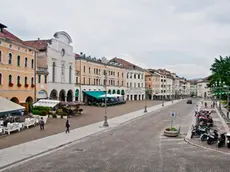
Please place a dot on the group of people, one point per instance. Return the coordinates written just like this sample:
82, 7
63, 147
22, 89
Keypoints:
42, 125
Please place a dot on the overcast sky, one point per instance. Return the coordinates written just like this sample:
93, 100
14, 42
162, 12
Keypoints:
183, 36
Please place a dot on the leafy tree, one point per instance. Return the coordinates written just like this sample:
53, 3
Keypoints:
220, 70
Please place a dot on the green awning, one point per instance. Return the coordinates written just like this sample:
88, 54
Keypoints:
76, 93
95, 94
118, 91
122, 92
114, 91
109, 92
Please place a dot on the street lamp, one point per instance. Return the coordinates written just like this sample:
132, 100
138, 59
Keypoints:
105, 118
145, 102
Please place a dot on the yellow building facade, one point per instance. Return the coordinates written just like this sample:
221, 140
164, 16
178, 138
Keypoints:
17, 68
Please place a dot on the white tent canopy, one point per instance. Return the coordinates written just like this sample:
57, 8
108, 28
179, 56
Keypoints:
9, 106
111, 95
47, 103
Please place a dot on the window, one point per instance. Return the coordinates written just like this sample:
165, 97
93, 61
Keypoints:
141, 85
122, 83
76, 80
39, 79
32, 81
99, 72
9, 58
122, 75
32, 63
127, 75
10, 45
118, 74
134, 85
84, 80
26, 62
10, 79
0, 56
25, 81
53, 72
18, 80
45, 78
89, 81
138, 85
84, 69
131, 76
70, 74
118, 83
134, 76
99, 82
63, 73
18, 60
94, 81
89, 69
142, 76
139, 76
130, 85
0, 79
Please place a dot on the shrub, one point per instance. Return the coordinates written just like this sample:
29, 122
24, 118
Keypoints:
36, 112
41, 108
171, 129
54, 116
63, 114
43, 113
59, 111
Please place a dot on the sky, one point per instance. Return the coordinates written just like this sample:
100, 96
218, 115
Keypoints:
183, 36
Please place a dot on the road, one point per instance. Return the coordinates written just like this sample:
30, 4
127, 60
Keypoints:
137, 146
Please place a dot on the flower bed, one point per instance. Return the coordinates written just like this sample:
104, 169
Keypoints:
171, 132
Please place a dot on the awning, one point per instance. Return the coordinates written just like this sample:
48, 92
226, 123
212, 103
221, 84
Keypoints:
95, 94
111, 95
8, 106
76, 93
47, 103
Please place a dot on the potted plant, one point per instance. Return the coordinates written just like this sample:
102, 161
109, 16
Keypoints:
11, 84
172, 132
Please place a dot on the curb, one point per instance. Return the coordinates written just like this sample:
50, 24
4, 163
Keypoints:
16, 163
197, 145
222, 120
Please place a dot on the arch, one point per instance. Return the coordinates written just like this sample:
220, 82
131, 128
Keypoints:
10, 79
122, 92
42, 94
26, 61
15, 100
32, 63
70, 96
18, 60
109, 91
10, 58
29, 100
118, 92
114, 91
62, 95
53, 95
53, 71
63, 33
76, 93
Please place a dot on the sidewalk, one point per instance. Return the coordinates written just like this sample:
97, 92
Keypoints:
219, 124
18, 153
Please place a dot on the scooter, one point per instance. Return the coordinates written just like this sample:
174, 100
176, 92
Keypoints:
228, 140
221, 140
204, 136
212, 137
197, 130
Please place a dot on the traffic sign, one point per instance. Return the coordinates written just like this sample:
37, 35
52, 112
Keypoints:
173, 114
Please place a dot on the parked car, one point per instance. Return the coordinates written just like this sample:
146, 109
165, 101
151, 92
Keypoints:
189, 102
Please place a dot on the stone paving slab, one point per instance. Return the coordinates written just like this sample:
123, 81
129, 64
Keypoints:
14, 154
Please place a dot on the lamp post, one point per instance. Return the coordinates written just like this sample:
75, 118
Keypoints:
105, 118
145, 110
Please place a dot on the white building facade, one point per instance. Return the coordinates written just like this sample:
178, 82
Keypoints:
202, 89
135, 84
61, 68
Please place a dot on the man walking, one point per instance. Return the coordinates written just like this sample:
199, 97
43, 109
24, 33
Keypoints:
67, 125
42, 124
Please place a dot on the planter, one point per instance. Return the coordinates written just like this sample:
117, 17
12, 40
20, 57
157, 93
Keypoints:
58, 116
64, 117
172, 133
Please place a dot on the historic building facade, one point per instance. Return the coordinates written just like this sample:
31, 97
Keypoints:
135, 79
17, 69
92, 74
56, 67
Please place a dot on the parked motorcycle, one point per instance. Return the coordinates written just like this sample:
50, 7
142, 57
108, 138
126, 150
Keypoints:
212, 137
228, 140
221, 140
198, 130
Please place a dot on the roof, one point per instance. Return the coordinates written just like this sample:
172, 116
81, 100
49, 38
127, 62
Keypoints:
126, 64
7, 35
38, 44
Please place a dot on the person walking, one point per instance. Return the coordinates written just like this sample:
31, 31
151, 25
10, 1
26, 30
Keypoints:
67, 125
42, 124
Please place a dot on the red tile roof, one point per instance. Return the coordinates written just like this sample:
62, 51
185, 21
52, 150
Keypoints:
7, 35
38, 44
126, 64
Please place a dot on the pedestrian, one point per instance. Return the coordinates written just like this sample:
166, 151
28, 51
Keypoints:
67, 125
42, 124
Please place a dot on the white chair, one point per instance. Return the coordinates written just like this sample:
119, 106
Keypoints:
11, 127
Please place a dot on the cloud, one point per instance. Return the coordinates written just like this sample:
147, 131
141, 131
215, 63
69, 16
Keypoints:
178, 34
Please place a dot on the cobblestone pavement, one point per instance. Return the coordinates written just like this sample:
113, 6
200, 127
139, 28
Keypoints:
138, 146
90, 115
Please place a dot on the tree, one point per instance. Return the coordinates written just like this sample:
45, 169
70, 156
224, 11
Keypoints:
220, 70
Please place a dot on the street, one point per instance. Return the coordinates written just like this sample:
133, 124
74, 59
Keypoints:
138, 146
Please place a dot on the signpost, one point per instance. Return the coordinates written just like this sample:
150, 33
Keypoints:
173, 114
